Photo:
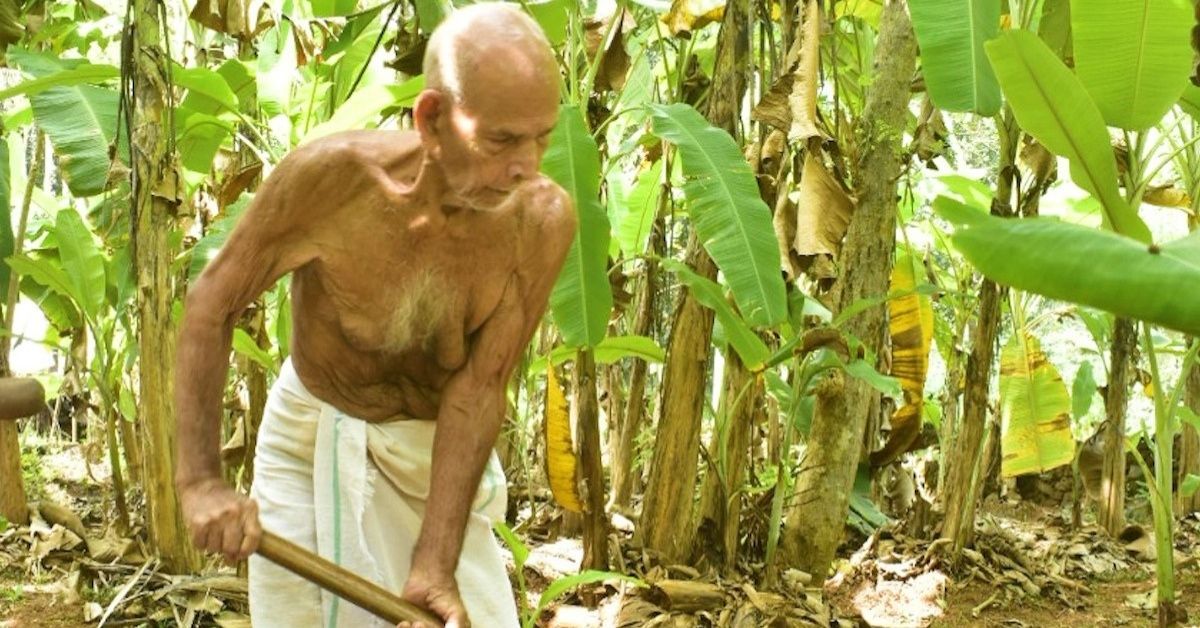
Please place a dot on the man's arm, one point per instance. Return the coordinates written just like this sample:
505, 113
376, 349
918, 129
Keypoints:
270, 240
473, 402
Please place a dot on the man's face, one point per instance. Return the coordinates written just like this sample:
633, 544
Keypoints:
494, 140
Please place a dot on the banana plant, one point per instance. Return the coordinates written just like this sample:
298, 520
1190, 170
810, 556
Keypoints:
91, 287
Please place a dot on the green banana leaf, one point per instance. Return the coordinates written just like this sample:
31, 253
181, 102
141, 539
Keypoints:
1190, 101
733, 222
582, 298
852, 48
354, 49
7, 243
641, 205
333, 8
749, 346
82, 261
207, 91
244, 345
206, 118
1055, 27
240, 79
46, 272
1035, 410
206, 249
610, 350
60, 310
430, 13
1190, 485
951, 34
362, 110
1081, 265
553, 16
1083, 391
82, 73
1052, 105
1133, 56
198, 138
81, 121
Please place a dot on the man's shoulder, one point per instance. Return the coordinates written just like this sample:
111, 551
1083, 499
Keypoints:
354, 148
549, 209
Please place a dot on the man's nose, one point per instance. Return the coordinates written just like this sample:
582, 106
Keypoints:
525, 162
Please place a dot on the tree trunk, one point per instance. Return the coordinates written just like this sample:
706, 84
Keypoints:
635, 406
587, 422
114, 461
963, 474
720, 505
13, 506
156, 188
817, 513
667, 513
950, 397
1116, 400
1189, 450
256, 318
254, 323
13, 501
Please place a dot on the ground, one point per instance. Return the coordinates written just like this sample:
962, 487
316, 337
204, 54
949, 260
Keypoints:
1027, 567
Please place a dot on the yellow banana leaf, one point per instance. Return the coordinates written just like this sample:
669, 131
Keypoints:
692, 15
910, 321
1035, 410
561, 461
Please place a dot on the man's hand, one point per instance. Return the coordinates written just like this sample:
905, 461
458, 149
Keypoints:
437, 592
221, 520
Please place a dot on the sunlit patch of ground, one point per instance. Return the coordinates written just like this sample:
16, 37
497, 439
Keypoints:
913, 602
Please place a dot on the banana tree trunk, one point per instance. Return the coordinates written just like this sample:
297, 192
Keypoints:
13, 505
256, 389
817, 511
1116, 400
667, 512
587, 424
635, 406
963, 473
256, 374
1189, 450
950, 396
156, 189
720, 505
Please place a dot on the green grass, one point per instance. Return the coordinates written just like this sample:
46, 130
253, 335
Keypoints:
11, 595
31, 474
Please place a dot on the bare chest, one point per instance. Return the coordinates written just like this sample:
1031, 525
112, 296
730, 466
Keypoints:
401, 293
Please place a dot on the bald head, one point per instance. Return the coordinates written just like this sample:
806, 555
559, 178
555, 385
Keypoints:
492, 37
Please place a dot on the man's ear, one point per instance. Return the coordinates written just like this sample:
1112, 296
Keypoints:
429, 112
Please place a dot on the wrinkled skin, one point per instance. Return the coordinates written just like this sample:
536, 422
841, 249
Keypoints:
421, 262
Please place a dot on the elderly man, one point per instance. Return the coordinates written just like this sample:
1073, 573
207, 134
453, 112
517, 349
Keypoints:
421, 265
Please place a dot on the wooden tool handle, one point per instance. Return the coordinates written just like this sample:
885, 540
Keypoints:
20, 397
345, 584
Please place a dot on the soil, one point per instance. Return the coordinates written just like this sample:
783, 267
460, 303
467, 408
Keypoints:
1106, 607
23, 605
925, 598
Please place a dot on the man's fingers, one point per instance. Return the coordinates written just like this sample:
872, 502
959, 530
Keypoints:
213, 538
231, 538
251, 529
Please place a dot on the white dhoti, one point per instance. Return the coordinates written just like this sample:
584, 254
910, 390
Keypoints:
354, 492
